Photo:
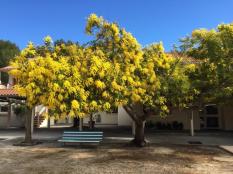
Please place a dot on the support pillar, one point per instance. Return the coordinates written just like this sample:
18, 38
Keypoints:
32, 119
9, 115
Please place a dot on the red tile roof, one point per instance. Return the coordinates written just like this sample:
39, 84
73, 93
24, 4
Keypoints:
185, 59
8, 92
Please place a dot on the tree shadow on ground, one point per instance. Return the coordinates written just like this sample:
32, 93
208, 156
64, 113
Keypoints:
51, 157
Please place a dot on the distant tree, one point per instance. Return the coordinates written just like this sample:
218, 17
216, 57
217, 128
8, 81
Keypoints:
49, 47
59, 42
8, 51
213, 78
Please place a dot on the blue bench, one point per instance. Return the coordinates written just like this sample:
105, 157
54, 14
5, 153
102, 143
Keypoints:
81, 137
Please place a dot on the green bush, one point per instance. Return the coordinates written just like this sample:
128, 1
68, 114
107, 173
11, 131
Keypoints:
167, 126
19, 110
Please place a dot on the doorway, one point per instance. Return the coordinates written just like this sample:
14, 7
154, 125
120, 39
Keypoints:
211, 117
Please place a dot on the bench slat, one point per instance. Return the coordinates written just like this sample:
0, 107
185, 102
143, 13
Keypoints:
78, 141
72, 135
83, 132
81, 137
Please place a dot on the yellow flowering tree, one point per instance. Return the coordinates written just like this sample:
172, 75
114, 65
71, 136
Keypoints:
110, 71
213, 77
145, 80
66, 78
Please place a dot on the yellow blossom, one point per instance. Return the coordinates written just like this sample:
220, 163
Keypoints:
105, 94
75, 104
99, 84
107, 106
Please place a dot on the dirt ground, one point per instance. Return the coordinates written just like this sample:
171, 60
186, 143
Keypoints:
53, 158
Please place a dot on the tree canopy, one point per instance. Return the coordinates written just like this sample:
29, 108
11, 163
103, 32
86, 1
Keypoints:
8, 51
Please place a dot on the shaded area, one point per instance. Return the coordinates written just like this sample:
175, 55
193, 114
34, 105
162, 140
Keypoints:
124, 135
51, 157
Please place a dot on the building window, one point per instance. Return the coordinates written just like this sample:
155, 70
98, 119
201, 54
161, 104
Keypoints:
4, 108
212, 122
211, 110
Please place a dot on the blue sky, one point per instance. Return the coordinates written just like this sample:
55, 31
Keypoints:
148, 20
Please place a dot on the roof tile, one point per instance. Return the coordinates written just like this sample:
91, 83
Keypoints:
8, 92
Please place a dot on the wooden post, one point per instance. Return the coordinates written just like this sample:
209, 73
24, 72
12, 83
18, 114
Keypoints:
75, 122
80, 124
191, 125
133, 128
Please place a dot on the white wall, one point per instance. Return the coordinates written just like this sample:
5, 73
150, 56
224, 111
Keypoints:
3, 120
227, 118
18, 120
3, 116
44, 124
64, 121
123, 118
15, 120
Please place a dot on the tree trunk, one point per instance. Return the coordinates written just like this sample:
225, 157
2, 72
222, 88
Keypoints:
139, 137
9, 115
48, 123
80, 124
75, 122
136, 113
28, 128
91, 122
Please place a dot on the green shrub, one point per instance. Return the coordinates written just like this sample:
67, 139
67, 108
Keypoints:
20, 110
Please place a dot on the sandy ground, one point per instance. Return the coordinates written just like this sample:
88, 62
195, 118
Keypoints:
53, 158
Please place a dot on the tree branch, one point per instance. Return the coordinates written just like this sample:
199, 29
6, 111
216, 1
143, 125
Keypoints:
131, 114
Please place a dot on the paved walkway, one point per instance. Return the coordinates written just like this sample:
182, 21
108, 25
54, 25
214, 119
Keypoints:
119, 135
228, 148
